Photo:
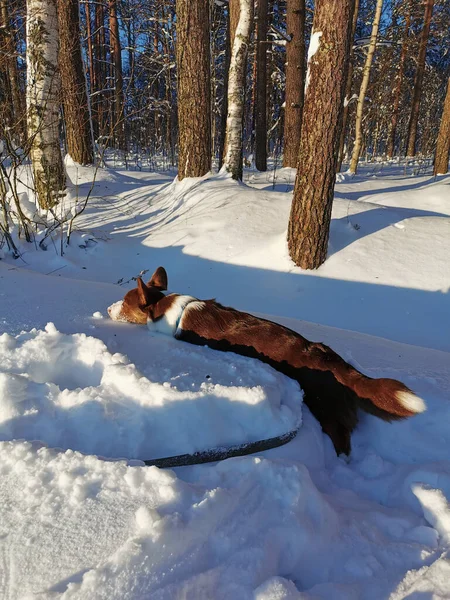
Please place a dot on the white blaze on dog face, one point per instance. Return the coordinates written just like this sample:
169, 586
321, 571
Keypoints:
114, 311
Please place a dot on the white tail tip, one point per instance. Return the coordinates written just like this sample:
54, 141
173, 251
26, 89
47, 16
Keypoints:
411, 402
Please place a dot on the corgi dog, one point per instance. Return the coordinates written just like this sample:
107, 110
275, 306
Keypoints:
333, 389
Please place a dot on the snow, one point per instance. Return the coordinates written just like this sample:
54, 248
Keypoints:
53, 384
84, 399
314, 45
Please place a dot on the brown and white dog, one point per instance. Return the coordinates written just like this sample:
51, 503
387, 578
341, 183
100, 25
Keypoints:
333, 389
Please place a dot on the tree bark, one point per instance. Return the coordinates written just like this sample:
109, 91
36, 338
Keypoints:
310, 217
236, 89
43, 101
116, 56
99, 67
418, 81
348, 87
295, 80
73, 81
8, 49
194, 88
261, 88
443, 140
363, 89
90, 51
224, 105
398, 86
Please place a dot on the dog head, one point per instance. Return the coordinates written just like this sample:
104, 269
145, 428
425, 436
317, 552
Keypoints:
135, 306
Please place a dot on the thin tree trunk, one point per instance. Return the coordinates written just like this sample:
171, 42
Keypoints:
261, 88
12, 73
194, 88
295, 80
328, 54
43, 101
398, 86
224, 105
116, 57
94, 114
236, 92
348, 87
100, 66
76, 110
443, 140
363, 89
418, 81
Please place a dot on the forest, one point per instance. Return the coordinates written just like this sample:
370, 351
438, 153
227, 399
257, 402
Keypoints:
217, 85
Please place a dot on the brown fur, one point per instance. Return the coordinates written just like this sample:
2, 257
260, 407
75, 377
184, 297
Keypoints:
333, 389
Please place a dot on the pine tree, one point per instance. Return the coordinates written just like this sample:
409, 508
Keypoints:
295, 80
443, 141
261, 88
398, 86
118, 122
11, 76
194, 88
310, 217
418, 81
76, 110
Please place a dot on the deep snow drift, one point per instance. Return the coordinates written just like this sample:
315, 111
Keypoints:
294, 522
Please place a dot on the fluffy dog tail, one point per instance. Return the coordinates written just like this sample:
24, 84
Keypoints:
387, 399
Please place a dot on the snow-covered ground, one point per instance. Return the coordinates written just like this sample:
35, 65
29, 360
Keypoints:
78, 392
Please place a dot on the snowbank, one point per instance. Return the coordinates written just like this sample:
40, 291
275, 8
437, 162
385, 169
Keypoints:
69, 391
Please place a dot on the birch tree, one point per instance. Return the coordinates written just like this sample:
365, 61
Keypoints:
236, 89
364, 84
443, 140
43, 101
418, 81
295, 80
310, 217
76, 111
194, 88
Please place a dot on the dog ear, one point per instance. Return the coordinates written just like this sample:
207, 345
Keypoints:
143, 292
159, 279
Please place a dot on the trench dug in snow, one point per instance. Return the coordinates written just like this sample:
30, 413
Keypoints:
70, 392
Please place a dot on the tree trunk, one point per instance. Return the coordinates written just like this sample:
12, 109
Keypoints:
310, 217
363, 89
8, 48
443, 141
348, 88
43, 101
415, 106
194, 88
116, 56
236, 89
295, 80
398, 87
224, 105
261, 88
90, 51
99, 67
73, 81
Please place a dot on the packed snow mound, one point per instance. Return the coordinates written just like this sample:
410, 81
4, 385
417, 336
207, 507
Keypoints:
70, 392
75, 527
